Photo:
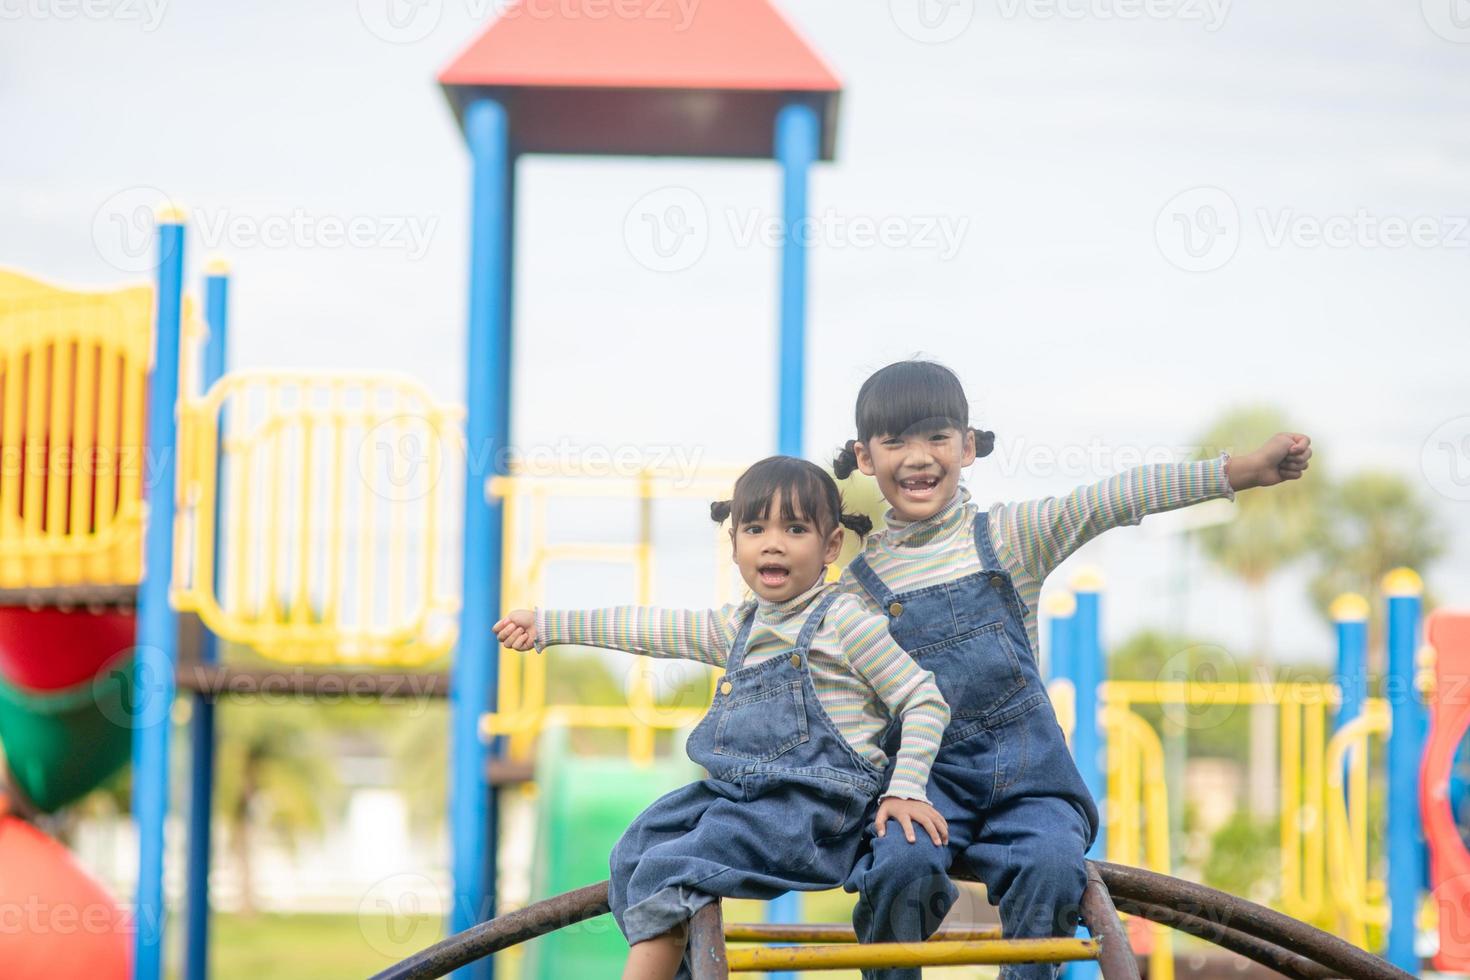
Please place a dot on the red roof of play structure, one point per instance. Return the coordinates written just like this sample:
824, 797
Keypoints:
684, 77
690, 44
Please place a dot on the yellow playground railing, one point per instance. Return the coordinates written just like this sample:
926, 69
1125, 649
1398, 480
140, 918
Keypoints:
331, 492
530, 552
1360, 896
73, 399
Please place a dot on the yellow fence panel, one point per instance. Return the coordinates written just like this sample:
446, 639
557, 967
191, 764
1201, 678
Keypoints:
74, 368
332, 492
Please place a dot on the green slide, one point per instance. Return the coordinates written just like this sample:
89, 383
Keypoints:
584, 805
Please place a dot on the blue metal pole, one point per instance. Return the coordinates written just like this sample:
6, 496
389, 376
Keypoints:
201, 724
797, 146
487, 425
798, 137
1061, 665
1087, 738
1405, 746
1350, 613
157, 630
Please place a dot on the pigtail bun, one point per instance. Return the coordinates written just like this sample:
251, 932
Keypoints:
719, 511
984, 443
845, 461
858, 524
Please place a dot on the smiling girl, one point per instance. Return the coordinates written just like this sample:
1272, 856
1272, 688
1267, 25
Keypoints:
792, 740
959, 587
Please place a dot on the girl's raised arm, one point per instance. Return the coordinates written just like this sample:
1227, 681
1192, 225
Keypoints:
1042, 533
702, 635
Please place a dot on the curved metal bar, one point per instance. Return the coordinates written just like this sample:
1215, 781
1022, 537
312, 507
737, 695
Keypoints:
1343, 958
1115, 954
506, 930
707, 944
1269, 955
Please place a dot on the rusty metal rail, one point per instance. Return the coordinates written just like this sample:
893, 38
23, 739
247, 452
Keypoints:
1279, 942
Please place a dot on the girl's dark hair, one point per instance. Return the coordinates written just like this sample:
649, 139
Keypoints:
910, 397
807, 492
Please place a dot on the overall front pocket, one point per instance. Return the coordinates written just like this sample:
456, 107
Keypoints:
763, 726
977, 671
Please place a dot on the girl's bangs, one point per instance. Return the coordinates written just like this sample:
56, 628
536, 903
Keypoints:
911, 398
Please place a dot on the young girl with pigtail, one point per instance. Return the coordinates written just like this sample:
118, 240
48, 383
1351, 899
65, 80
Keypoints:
792, 742
959, 587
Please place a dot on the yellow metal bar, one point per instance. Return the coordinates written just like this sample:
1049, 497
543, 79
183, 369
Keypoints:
836, 932
336, 506
1359, 902
761, 959
1314, 823
1291, 809
1207, 694
84, 435
584, 716
640, 737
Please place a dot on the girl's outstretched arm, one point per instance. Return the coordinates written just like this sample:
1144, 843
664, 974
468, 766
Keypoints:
703, 635
1041, 533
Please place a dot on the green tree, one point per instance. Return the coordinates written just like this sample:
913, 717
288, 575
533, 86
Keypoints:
273, 770
1272, 527
1373, 522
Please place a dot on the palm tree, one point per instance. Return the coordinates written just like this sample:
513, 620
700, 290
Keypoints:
1272, 528
1374, 522
271, 771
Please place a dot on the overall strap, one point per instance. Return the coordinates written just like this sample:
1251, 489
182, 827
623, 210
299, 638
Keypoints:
742, 640
869, 580
984, 545
813, 623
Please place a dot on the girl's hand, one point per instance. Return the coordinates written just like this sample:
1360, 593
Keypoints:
517, 629
908, 813
1283, 457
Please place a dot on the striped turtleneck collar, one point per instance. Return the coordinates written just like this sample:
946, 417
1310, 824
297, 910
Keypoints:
916, 534
769, 610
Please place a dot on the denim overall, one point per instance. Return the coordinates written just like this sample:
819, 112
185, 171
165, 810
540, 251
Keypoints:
780, 811
1020, 817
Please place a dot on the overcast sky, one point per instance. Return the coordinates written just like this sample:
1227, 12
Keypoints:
1114, 218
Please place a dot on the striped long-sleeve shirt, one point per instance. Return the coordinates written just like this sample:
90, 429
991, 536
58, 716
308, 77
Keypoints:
1033, 537
863, 679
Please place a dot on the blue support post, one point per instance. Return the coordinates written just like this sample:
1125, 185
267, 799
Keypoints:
798, 135
487, 427
157, 630
201, 723
1061, 664
1405, 845
1087, 738
1350, 613
797, 145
